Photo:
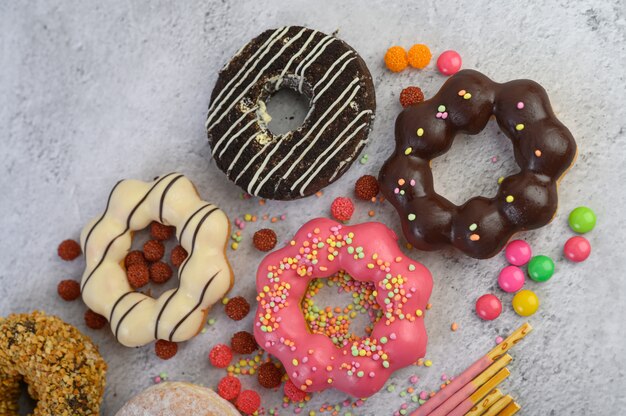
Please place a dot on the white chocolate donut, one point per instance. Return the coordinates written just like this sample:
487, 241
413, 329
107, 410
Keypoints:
177, 399
205, 276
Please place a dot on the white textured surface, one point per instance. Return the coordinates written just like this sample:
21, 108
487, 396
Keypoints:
93, 92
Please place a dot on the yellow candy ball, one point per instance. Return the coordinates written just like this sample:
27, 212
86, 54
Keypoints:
525, 303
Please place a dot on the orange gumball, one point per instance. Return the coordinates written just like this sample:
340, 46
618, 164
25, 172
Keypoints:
396, 59
419, 56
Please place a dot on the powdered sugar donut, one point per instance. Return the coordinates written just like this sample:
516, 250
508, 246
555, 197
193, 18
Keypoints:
177, 399
369, 253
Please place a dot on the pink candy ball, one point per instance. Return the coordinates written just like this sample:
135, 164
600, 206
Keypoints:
518, 252
577, 249
511, 279
449, 62
488, 307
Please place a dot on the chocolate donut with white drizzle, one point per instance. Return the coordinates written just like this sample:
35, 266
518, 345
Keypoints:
301, 162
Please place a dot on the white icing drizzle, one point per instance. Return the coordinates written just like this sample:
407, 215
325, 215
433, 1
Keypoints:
234, 136
231, 128
330, 69
357, 149
312, 176
253, 82
303, 139
311, 53
295, 55
263, 50
255, 177
304, 68
204, 277
328, 84
332, 80
250, 162
239, 153
332, 147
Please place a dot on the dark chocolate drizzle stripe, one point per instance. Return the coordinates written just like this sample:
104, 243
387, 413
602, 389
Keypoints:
162, 202
101, 217
195, 307
182, 230
117, 303
128, 220
182, 269
193, 241
180, 239
156, 325
119, 323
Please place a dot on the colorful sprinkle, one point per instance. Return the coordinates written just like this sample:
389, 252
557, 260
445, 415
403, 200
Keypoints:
411, 217
473, 227
519, 127
408, 151
420, 132
520, 105
509, 198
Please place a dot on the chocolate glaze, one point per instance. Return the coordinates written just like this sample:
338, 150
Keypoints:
543, 147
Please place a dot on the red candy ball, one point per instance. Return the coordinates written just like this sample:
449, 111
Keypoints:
229, 387
577, 249
220, 356
488, 307
293, 392
248, 402
342, 209
449, 62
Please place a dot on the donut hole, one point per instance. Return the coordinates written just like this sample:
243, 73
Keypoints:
140, 237
287, 109
341, 308
26, 403
479, 159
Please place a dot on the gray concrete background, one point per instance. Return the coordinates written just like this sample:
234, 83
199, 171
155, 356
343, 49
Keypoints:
97, 91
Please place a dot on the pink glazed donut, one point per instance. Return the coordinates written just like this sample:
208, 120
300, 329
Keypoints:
369, 253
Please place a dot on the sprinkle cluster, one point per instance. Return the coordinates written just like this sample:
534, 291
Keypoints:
335, 322
384, 300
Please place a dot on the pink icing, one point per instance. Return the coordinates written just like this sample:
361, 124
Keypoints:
367, 252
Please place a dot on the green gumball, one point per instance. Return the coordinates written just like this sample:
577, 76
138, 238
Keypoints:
582, 220
540, 268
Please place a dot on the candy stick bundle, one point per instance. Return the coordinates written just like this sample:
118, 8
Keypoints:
475, 392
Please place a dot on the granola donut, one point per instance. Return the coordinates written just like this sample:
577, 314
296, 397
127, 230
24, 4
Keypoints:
339, 87
544, 150
62, 367
369, 253
203, 278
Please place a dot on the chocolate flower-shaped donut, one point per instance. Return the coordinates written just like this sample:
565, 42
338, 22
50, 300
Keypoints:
544, 149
